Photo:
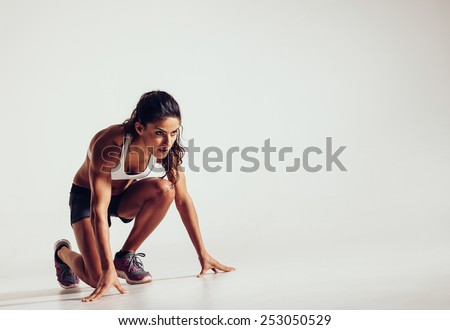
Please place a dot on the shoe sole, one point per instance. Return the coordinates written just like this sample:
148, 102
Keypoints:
69, 286
123, 275
62, 241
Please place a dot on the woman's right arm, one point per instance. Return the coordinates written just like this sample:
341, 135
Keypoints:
100, 181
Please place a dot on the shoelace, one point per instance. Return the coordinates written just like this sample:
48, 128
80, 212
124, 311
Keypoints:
136, 261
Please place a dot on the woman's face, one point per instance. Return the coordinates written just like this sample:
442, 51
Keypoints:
160, 136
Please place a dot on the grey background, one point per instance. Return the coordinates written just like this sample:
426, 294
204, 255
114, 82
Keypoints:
373, 75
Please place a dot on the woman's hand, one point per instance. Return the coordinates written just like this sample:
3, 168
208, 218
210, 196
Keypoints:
209, 262
107, 280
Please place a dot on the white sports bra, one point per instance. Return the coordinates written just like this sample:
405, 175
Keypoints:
118, 172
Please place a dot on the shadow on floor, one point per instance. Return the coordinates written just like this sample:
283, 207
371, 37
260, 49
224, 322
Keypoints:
12, 299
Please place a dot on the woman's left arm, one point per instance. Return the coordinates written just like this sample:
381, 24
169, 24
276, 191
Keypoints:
189, 217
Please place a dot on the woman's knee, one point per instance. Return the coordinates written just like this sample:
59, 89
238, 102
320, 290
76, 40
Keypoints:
163, 190
93, 276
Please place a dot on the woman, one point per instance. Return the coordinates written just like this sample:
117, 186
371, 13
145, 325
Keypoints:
104, 186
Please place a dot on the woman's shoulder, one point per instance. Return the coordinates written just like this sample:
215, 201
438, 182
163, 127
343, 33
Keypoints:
111, 135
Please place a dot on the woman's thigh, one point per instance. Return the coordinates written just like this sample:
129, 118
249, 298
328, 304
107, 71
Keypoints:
84, 235
140, 192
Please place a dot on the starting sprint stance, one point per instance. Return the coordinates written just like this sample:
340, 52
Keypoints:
113, 181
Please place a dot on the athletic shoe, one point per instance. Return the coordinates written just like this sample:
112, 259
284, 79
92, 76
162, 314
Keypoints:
66, 277
131, 268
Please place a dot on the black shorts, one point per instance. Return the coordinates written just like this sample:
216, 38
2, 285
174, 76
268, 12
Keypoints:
80, 205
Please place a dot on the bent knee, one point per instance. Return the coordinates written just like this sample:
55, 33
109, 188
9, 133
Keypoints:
166, 190
162, 189
93, 276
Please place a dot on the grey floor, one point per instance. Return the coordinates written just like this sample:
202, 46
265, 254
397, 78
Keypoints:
323, 280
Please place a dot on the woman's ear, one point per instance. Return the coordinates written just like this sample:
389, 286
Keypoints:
139, 128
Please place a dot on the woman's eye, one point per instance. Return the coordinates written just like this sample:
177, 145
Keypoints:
159, 133
174, 133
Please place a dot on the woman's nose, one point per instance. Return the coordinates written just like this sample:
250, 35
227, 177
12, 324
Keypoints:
172, 140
